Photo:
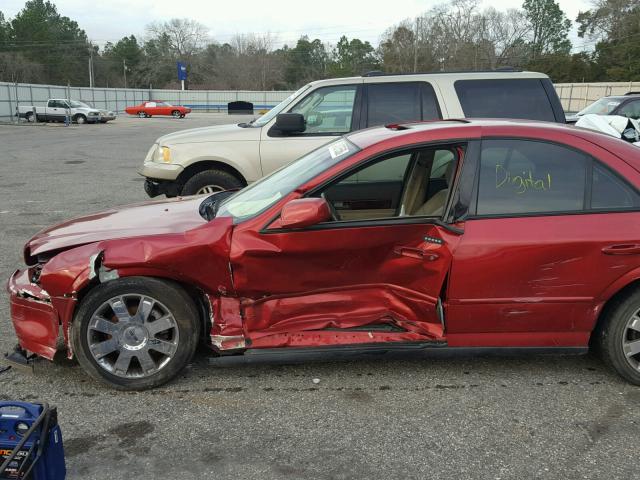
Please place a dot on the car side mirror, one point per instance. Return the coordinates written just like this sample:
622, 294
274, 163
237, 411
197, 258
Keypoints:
290, 123
304, 212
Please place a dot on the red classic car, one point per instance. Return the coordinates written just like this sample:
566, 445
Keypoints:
149, 109
481, 234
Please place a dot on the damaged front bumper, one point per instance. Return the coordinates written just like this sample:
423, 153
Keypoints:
35, 320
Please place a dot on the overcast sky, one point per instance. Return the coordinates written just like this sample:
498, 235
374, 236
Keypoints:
110, 20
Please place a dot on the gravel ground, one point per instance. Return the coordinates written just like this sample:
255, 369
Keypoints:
419, 417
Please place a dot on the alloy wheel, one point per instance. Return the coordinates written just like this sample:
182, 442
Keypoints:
209, 189
132, 336
631, 341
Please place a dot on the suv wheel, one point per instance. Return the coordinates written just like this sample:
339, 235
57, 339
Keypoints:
619, 338
81, 119
210, 181
135, 333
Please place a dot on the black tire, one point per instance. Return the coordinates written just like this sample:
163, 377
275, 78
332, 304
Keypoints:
172, 296
80, 119
614, 330
29, 117
175, 114
219, 179
142, 115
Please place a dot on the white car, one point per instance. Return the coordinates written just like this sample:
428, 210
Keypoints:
223, 157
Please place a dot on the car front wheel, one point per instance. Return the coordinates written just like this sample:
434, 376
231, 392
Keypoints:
619, 337
135, 333
211, 181
175, 114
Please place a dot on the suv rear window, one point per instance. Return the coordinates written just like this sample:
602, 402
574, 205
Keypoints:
505, 98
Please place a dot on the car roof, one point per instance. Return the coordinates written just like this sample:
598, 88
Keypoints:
412, 77
395, 135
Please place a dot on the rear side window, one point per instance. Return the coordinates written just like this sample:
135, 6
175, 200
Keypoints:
524, 176
610, 192
400, 102
504, 98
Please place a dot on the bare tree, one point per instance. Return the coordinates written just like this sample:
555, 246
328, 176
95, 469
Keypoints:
185, 36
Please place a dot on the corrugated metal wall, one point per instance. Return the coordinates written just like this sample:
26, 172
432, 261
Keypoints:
117, 99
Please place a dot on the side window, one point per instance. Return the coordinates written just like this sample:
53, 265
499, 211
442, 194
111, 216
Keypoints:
414, 183
150, 104
524, 176
400, 102
610, 192
328, 110
630, 110
504, 98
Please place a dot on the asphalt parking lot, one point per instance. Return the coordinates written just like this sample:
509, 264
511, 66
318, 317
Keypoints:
428, 417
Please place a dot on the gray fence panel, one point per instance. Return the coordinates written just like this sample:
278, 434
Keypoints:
117, 99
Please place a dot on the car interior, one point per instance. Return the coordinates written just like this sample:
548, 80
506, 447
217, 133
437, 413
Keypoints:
405, 184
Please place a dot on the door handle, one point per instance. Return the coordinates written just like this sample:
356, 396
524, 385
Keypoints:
416, 253
622, 249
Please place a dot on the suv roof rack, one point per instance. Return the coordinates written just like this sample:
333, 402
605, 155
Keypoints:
378, 73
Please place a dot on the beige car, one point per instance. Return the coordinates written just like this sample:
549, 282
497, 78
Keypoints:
210, 159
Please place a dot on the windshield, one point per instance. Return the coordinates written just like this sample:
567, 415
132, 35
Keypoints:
266, 118
77, 104
604, 106
264, 193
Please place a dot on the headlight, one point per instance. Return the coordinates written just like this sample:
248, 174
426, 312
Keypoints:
93, 114
162, 155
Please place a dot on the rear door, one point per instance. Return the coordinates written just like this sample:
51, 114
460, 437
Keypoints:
398, 102
552, 228
374, 273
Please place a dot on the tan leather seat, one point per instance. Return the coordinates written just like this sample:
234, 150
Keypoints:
435, 205
417, 184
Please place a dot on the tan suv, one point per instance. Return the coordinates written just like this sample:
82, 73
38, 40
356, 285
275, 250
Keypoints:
205, 160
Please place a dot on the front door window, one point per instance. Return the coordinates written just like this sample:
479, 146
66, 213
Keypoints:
328, 110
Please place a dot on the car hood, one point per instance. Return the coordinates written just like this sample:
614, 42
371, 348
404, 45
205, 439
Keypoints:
217, 133
150, 218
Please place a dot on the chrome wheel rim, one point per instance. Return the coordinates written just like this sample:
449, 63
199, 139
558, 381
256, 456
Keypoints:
132, 336
631, 341
80, 120
141, 114
176, 114
210, 189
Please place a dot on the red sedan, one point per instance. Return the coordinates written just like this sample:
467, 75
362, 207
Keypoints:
149, 109
480, 235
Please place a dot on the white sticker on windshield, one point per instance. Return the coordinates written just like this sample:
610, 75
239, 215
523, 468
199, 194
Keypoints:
339, 148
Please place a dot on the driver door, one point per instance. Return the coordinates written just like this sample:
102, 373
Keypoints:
328, 112
378, 268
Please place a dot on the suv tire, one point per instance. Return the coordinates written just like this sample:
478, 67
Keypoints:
80, 119
210, 181
619, 337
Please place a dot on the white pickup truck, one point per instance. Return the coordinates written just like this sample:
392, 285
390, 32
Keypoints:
57, 110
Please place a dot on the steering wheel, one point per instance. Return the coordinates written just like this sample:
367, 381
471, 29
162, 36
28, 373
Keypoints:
332, 209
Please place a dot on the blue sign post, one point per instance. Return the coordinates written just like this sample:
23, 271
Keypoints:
182, 73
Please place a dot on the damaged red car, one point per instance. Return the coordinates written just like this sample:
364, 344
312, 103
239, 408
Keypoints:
481, 234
